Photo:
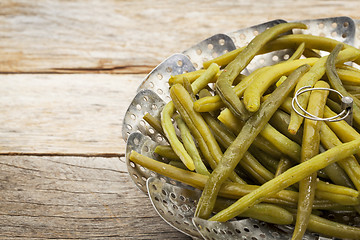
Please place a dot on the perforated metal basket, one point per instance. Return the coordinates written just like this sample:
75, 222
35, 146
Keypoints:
176, 202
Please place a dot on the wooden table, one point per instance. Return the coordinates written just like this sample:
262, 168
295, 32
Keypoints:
69, 70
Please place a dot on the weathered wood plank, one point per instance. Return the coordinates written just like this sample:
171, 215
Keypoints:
74, 198
64, 113
130, 36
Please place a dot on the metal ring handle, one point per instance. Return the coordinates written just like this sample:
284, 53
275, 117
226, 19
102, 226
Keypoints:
344, 114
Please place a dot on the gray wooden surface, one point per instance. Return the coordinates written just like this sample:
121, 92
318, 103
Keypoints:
68, 71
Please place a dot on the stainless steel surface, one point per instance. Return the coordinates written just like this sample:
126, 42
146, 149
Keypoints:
167, 195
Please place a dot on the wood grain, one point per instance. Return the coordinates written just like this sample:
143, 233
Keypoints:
74, 198
130, 36
64, 113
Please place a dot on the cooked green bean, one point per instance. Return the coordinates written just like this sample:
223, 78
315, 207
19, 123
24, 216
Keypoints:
277, 139
235, 125
298, 52
190, 146
198, 127
170, 133
332, 229
350, 165
288, 178
154, 122
250, 164
253, 93
233, 69
284, 164
236, 150
264, 212
214, 102
311, 41
309, 148
336, 83
167, 152
191, 76
280, 120
224, 59
205, 78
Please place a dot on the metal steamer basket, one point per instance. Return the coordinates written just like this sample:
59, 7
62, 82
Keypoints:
176, 202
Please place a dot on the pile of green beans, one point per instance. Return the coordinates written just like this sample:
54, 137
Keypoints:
238, 139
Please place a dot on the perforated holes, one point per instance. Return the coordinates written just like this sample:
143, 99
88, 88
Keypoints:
321, 25
143, 178
210, 46
246, 229
132, 164
222, 232
142, 168
198, 51
346, 218
334, 34
128, 126
185, 208
136, 141
346, 24
160, 91
169, 69
286, 57
159, 138
142, 123
334, 25
275, 58
237, 230
180, 63
159, 76
182, 198
138, 107
255, 32
135, 176
151, 131
242, 36
214, 54
133, 116
146, 149
151, 84
222, 42
344, 35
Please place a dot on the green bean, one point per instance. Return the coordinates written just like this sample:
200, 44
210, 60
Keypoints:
248, 163
253, 93
198, 127
233, 69
205, 78
280, 121
352, 88
228, 189
177, 164
191, 76
264, 212
284, 164
311, 53
298, 52
311, 41
277, 139
310, 78
309, 148
336, 83
167, 152
236, 150
265, 159
190, 146
332, 229
170, 133
214, 102
224, 59
350, 165
288, 178
154, 122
